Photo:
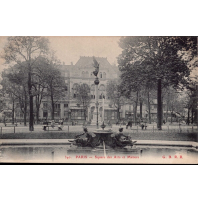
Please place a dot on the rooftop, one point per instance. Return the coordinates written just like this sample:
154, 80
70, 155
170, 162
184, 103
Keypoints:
85, 62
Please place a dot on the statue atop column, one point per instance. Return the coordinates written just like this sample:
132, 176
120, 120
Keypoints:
96, 66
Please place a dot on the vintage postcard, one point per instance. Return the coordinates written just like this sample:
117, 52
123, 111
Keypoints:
121, 100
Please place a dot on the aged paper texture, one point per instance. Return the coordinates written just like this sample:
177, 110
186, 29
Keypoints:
121, 100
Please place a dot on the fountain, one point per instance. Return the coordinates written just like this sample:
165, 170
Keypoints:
102, 140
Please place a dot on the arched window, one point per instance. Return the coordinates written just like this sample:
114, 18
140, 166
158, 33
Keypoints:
75, 87
100, 113
104, 75
93, 91
102, 91
85, 87
66, 88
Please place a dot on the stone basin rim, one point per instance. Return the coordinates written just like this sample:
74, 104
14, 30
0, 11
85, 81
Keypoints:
106, 131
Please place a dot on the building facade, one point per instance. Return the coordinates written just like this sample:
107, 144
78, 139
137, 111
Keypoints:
82, 73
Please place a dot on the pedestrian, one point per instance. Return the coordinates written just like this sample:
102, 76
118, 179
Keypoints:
127, 126
53, 123
130, 123
45, 124
60, 126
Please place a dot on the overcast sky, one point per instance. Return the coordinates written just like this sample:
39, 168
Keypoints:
69, 49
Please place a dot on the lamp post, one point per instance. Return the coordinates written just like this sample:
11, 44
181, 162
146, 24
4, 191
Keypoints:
69, 117
96, 96
69, 112
96, 82
117, 99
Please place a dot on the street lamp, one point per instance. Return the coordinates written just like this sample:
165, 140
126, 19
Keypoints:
69, 112
96, 96
96, 82
118, 100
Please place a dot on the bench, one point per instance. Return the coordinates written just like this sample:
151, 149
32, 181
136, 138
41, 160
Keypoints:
74, 123
10, 124
60, 127
56, 124
143, 126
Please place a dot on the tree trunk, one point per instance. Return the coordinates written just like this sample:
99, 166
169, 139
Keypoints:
162, 112
85, 114
149, 108
37, 108
31, 119
196, 116
37, 115
167, 111
13, 111
25, 112
192, 115
135, 109
118, 114
188, 116
141, 109
53, 111
171, 114
159, 108
53, 108
25, 107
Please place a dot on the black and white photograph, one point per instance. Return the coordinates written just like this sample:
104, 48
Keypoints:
99, 99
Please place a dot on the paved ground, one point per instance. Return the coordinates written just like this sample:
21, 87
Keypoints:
7, 142
168, 133
166, 127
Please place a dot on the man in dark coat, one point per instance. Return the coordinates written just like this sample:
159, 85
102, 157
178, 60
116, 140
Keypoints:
130, 123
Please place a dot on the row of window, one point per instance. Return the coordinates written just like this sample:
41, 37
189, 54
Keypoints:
92, 91
92, 88
86, 74
102, 96
92, 96
57, 106
79, 114
57, 114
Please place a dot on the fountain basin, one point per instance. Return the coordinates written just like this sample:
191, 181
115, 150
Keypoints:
103, 132
104, 136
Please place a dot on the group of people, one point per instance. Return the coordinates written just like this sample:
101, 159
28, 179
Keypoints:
141, 123
52, 124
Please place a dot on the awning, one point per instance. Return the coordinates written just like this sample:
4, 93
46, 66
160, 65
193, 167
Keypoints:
128, 112
170, 112
75, 108
108, 108
7, 111
153, 111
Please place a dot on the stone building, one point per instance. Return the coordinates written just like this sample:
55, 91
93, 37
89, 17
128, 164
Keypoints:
82, 73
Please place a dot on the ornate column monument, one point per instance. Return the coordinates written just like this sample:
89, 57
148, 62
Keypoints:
95, 120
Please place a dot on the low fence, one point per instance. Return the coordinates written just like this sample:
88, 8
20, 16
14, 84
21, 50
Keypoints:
166, 131
75, 129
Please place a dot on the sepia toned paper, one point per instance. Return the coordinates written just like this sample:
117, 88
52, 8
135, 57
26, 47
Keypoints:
101, 109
